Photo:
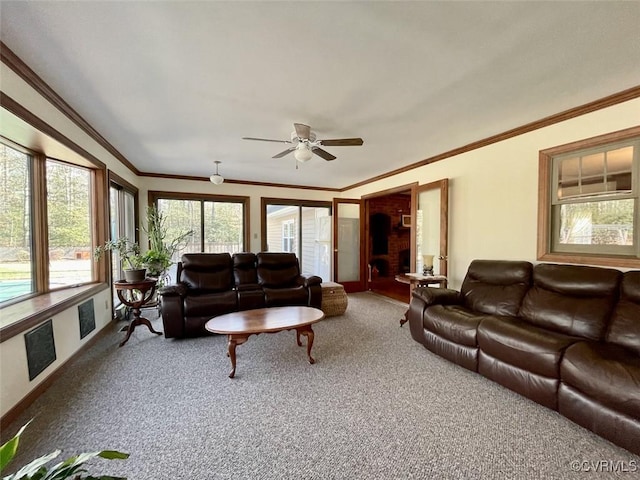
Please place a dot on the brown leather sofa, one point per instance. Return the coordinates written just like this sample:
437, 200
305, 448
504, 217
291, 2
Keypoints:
212, 284
565, 336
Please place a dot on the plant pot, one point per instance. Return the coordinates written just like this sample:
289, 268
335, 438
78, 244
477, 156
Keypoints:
137, 275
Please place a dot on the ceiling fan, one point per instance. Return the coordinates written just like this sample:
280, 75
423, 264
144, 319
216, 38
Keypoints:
304, 144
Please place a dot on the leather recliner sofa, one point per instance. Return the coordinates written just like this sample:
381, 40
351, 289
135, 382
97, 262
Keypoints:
212, 284
565, 336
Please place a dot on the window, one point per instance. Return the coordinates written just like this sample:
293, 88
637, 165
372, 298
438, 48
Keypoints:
69, 224
591, 213
17, 277
219, 223
288, 236
302, 227
48, 223
123, 212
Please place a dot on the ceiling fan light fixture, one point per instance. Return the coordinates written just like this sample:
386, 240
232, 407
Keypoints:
303, 153
216, 178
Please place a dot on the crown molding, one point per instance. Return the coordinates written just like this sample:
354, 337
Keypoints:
615, 99
30, 77
239, 182
14, 62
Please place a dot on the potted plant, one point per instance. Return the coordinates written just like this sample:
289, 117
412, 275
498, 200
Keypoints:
72, 468
158, 258
129, 253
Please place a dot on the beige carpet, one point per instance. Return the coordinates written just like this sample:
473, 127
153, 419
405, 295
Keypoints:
376, 405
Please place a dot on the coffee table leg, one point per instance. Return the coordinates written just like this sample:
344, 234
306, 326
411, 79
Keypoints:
232, 355
307, 332
234, 340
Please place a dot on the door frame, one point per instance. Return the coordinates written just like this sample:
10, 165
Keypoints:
409, 187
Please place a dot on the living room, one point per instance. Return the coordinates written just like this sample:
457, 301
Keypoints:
494, 189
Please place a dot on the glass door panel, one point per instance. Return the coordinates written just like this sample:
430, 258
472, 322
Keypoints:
431, 227
347, 244
428, 230
315, 254
303, 230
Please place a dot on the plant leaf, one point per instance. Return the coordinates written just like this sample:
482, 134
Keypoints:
113, 455
8, 450
73, 465
34, 467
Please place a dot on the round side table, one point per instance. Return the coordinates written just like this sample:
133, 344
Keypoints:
146, 288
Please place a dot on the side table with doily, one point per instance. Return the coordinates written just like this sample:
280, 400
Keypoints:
135, 295
417, 280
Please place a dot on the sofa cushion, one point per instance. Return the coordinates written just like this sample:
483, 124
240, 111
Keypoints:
275, 297
608, 374
570, 299
278, 269
518, 343
210, 304
206, 272
244, 269
454, 323
624, 329
496, 286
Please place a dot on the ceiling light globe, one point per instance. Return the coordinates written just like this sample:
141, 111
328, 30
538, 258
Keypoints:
217, 179
303, 154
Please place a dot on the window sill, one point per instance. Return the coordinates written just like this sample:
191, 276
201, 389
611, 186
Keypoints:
601, 261
22, 316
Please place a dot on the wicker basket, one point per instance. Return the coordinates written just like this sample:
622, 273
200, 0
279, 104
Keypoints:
334, 299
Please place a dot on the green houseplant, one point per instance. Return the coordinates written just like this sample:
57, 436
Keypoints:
129, 253
72, 468
158, 258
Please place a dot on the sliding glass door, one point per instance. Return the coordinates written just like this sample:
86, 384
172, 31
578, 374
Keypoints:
303, 228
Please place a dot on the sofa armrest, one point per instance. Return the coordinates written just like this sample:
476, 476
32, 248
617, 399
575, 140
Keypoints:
312, 280
437, 296
179, 290
172, 310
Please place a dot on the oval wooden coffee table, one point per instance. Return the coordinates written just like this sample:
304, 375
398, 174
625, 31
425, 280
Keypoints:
238, 326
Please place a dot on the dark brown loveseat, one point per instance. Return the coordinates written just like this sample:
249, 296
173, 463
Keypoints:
212, 284
565, 336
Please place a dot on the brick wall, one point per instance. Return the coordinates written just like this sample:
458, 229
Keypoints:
398, 240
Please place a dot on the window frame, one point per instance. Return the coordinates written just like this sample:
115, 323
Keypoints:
546, 178
28, 310
39, 218
155, 195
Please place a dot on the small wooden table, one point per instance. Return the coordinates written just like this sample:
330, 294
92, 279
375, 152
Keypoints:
416, 280
238, 326
145, 290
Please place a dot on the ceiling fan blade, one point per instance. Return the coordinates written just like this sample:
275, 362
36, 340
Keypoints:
323, 153
302, 130
282, 154
266, 140
343, 142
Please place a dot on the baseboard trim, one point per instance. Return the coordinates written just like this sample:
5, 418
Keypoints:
33, 395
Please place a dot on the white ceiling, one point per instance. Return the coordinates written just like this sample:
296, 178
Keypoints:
174, 85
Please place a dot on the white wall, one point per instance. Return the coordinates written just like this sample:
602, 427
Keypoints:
14, 376
493, 198
14, 371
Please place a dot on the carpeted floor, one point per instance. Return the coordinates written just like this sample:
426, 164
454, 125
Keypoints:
376, 405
